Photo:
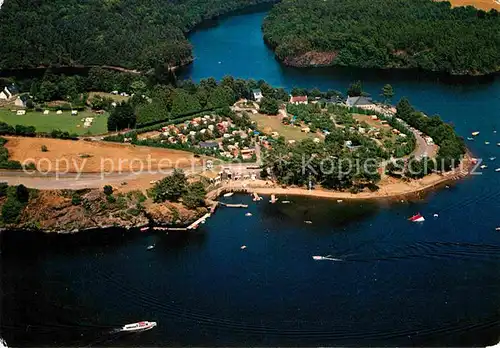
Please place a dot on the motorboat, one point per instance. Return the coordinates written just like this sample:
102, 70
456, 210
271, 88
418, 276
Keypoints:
248, 214
308, 222
497, 170
140, 326
492, 158
417, 218
243, 247
436, 215
484, 166
486, 143
151, 247
470, 139
285, 202
229, 194
339, 200
144, 229
324, 258
475, 133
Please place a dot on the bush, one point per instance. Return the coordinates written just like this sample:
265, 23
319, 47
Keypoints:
76, 199
11, 210
44, 148
3, 189
108, 190
111, 199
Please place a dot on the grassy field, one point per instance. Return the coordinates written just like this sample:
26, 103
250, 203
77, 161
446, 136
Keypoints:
274, 123
481, 4
64, 122
116, 98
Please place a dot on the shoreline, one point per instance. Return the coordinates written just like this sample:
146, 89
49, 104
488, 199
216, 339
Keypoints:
394, 188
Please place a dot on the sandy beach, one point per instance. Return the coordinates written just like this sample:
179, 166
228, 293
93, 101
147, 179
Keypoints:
389, 187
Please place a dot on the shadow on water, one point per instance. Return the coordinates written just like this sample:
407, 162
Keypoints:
322, 213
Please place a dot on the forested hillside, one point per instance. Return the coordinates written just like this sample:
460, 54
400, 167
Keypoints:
139, 34
385, 34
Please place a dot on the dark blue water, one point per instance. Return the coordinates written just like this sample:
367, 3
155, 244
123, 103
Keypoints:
402, 284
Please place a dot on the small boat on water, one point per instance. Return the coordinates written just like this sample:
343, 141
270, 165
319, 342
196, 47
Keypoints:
497, 229
243, 247
248, 214
436, 215
285, 202
497, 170
144, 229
470, 139
229, 194
475, 133
308, 222
486, 143
484, 166
151, 247
417, 218
327, 257
140, 326
498, 144
339, 201
492, 158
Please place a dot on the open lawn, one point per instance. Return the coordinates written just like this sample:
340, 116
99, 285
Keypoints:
95, 156
273, 124
116, 98
64, 122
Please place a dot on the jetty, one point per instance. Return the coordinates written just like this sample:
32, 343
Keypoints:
195, 224
234, 205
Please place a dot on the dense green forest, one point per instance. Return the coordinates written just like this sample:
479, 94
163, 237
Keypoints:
386, 34
139, 34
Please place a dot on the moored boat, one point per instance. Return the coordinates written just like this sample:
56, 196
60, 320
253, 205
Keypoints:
417, 218
475, 133
229, 194
144, 229
140, 326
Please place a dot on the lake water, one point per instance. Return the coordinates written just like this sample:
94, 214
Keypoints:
398, 283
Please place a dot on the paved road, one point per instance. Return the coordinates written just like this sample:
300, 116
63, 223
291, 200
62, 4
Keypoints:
76, 181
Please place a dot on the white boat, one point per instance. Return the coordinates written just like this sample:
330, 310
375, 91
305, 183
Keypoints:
229, 194
328, 257
308, 222
475, 134
492, 158
285, 202
436, 215
243, 247
486, 143
339, 201
470, 138
273, 199
248, 214
140, 326
144, 229
497, 229
151, 247
497, 170
484, 166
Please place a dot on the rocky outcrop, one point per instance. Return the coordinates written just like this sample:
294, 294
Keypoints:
173, 214
311, 59
65, 211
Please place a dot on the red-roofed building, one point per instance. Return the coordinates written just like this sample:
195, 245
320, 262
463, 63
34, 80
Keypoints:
300, 99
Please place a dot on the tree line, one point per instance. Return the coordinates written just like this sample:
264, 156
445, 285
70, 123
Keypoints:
423, 34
